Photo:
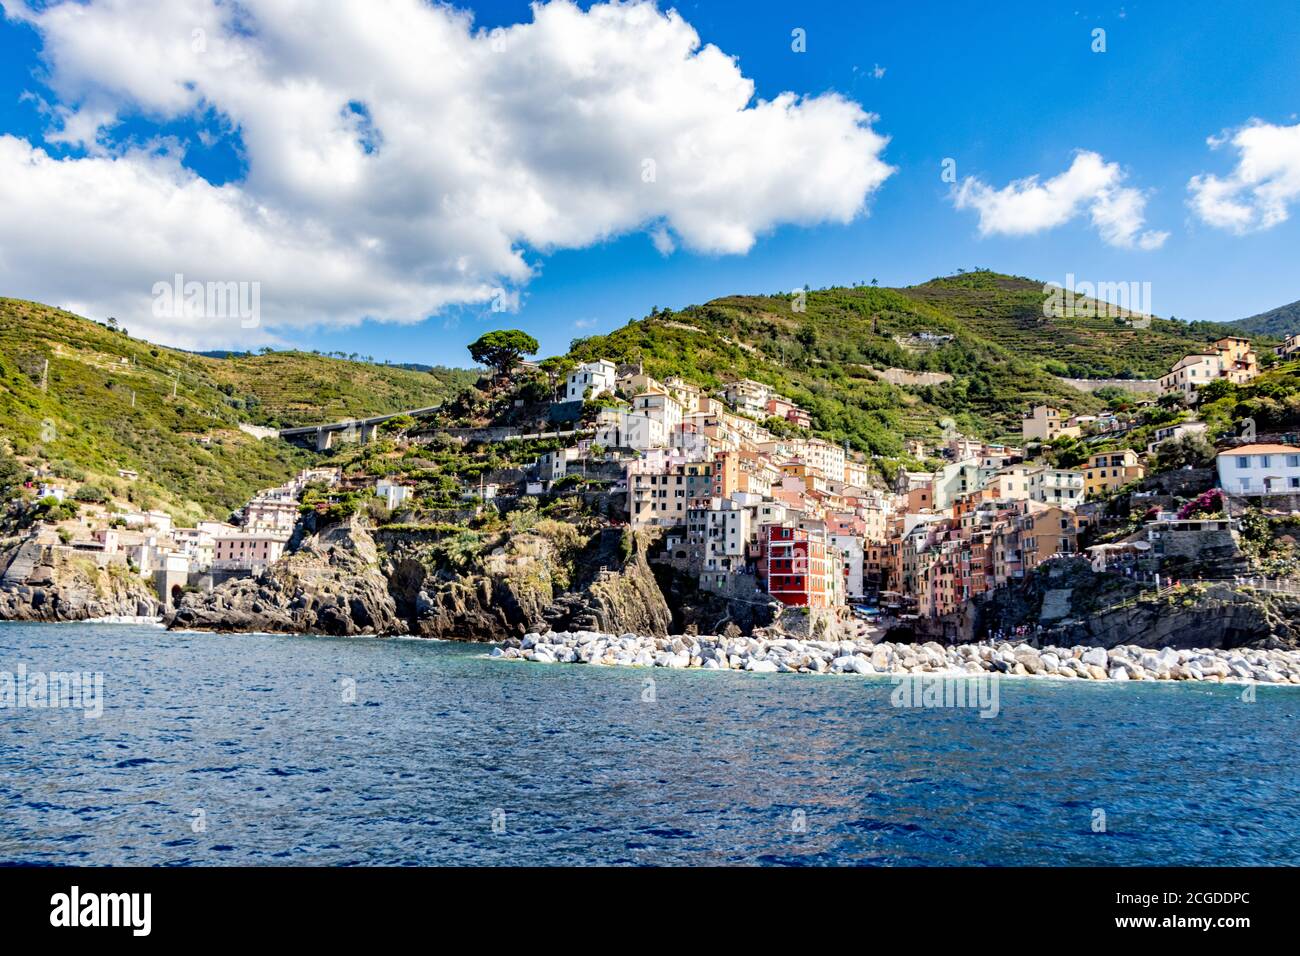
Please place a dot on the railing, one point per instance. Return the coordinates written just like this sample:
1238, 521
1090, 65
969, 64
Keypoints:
1274, 585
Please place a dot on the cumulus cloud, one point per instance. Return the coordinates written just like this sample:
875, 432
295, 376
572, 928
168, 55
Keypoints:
1258, 192
1090, 186
397, 159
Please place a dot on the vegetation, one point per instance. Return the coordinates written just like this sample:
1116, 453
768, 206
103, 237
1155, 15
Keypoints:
85, 400
981, 336
1277, 323
502, 349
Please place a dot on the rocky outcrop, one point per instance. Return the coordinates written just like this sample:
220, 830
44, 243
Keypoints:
55, 586
614, 592
1214, 616
697, 611
524, 584
331, 584
811, 624
1066, 602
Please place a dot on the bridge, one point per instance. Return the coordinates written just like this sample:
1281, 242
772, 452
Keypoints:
357, 429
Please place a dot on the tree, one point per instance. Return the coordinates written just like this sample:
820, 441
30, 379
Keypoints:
92, 494
12, 473
502, 349
555, 367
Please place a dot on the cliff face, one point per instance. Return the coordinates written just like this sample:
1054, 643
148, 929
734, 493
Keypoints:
1218, 617
526, 585
53, 587
331, 585
1073, 605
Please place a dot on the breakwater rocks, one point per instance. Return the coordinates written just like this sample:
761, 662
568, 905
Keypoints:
860, 657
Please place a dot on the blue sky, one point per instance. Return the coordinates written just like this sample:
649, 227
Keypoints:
1006, 94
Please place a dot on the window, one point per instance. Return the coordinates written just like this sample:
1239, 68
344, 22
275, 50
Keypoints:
1243, 461
1293, 461
1265, 461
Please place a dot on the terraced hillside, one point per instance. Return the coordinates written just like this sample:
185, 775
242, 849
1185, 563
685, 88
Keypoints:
832, 350
88, 401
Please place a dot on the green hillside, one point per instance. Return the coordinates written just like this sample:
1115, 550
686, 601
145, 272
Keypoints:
1278, 323
107, 402
831, 352
302, 388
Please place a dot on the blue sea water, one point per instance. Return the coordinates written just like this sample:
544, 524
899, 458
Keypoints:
247, 749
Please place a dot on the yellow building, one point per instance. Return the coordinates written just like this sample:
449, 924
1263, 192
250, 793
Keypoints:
1109, 470
1045, 424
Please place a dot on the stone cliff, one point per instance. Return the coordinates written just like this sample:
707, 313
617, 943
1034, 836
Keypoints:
525, 584
331, 585
1066, 602
43, 584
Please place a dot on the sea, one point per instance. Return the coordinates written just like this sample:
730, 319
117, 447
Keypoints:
198, 749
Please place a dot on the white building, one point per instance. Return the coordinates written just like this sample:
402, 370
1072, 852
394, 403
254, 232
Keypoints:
851, 550
392, 493
599, 376
826, 457
271, 514
615, 429
47, 490
197, 544
1260, 470
1174, 433
748, 397
160, 521
554, 465
1055, 486
726, 535
1190, 373
661, 407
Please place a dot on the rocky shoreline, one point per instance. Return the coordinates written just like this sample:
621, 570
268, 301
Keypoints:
758, 655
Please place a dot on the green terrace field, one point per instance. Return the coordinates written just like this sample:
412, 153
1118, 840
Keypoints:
301, 388
107, 402
1008, 311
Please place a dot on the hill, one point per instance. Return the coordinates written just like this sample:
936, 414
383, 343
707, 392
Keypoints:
875, 366
303, 388
1277, 323
89, 400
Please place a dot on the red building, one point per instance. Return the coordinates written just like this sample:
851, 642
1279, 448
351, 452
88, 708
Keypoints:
796, 568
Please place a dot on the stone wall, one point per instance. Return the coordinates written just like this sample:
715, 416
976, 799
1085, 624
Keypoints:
1142, 386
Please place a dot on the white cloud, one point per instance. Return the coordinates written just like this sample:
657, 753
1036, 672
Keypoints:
1091, 185
1257, 193
398, 160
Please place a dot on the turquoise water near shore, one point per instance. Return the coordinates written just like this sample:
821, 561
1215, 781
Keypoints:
446, 757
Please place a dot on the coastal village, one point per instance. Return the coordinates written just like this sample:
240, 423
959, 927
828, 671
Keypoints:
800, 520
739, 496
